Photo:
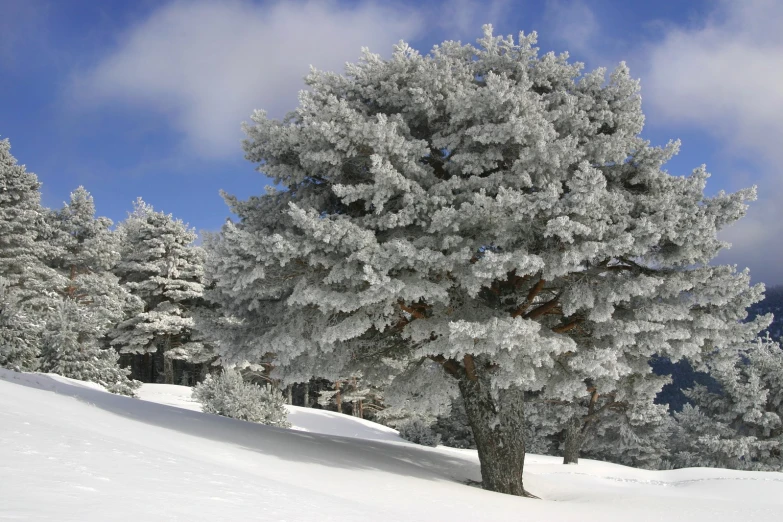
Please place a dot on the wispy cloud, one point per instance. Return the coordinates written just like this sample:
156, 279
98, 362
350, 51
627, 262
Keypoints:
208, 65
574, 24
725, 77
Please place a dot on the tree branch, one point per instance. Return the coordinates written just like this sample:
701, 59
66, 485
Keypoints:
563, 328
450, 366
541, 310
470, 367
530, 296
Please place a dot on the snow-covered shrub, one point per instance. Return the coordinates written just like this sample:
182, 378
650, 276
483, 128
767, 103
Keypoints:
229, 395
418, 432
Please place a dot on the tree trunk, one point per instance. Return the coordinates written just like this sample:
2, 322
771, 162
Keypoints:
147, 367
497, 423
290, 394
338, 399
168, 369
306, 400
573, 441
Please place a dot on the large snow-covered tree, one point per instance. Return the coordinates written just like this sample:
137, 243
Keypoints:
85, 250
160, 265
483, 211
24, 250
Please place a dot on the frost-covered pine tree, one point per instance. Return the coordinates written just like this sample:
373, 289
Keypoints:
741, 425
24, 250
71, 350
620, 423
85, 250
628, 427
468, 221
160, 265
17, 349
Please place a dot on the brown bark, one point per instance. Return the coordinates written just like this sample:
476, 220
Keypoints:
563, 328
543, 309
529, 300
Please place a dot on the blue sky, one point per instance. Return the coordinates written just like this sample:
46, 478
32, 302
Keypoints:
145, 98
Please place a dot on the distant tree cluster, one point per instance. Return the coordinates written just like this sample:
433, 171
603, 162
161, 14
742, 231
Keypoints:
75, 293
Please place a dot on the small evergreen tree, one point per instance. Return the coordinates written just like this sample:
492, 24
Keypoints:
160, 265
24, 249
454, 428
227, 394
92, 302
622, 425
741, 425
629, 428
419, 431
16, 350
70, 350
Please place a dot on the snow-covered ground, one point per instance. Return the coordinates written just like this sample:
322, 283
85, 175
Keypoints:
70, 451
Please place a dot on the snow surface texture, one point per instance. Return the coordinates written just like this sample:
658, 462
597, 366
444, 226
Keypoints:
70, 451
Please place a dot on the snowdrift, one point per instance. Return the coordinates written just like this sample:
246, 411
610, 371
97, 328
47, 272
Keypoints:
71, 451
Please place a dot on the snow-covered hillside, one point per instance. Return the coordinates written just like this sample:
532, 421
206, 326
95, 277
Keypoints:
70, 451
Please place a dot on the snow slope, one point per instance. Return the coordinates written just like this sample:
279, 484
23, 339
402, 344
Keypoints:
70, 451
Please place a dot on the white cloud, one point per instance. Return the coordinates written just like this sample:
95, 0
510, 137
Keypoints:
725, 77
573, 23
464, 18
208, 65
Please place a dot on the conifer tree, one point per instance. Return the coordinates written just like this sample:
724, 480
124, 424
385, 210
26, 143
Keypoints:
71, 349
24, 249
93, 302
614, 424
160, 265
485, 211
739, 426
17, 350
